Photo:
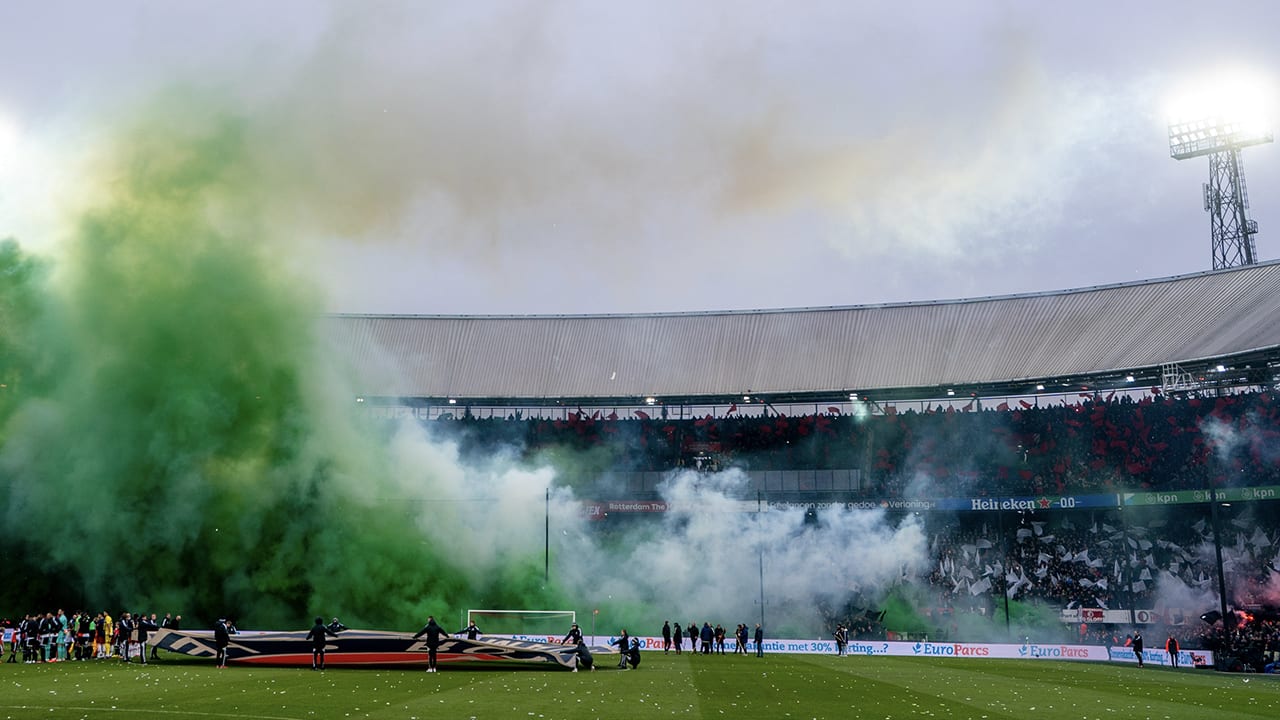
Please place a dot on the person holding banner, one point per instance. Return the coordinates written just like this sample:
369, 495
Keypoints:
624, 646
434, 633
317, 637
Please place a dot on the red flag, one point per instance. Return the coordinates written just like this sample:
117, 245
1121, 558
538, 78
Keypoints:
1003, 406
641, 414
613, 415
732, 408
833, 410
1026, 404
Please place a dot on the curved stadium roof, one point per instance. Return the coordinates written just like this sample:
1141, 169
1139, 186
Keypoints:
1002, 342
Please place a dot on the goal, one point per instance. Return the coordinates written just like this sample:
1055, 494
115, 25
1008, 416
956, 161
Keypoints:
523, 622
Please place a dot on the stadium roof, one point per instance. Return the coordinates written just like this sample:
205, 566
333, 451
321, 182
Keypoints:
1002, 342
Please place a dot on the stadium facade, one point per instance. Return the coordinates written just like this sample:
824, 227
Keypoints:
1203, 331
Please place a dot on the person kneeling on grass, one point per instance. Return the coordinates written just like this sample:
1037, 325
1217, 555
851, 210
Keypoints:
633, 655
584, 657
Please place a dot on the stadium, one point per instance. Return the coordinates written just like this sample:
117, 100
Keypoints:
216, 407
1065, 449
1058, 469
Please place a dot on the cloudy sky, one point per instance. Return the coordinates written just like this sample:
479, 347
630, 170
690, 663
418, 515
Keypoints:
584, 157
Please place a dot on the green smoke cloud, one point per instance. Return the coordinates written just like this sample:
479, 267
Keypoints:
171, 438
175, 435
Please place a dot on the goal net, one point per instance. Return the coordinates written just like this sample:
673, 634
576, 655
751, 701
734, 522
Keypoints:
551, 623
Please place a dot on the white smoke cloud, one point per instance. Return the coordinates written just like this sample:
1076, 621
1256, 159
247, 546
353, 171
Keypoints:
702, 560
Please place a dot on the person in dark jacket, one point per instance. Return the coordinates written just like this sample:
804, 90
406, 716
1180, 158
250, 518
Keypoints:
707, 637
666, 636
48, 638
125, 628
692, 633
221, 639
433, 632
317, 637
633, 653
624, 646
336, 627
84, 636
472, 631
1137, 647
759, 641
573, 637
678, 638
1171, 647
145, 626
585, 660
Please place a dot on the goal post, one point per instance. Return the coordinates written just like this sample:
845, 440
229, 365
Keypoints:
523, 622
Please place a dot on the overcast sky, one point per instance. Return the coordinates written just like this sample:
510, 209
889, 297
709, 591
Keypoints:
586, 157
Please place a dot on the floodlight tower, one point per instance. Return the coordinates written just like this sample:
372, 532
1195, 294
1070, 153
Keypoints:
1226, 200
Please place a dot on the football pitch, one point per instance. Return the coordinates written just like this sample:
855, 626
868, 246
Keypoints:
776, 686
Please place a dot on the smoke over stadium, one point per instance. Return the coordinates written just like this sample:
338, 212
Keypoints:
176, 435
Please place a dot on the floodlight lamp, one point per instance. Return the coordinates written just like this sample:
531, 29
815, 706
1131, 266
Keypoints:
453, 401
1222, 368
359, 399
853, 396
1040, 387
951, 392
1128, 378
650, 401
1229, 110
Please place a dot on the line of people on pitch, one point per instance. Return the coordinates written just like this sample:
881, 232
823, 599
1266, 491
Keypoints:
712, 638
60, 637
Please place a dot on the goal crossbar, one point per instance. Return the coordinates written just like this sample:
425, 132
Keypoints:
518, 614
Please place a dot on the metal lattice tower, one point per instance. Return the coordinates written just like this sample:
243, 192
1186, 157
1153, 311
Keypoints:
1226, 199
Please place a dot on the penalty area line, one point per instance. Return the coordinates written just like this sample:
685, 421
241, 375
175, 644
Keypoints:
139, 711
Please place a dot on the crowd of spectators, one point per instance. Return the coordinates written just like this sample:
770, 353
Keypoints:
1100, 560
1096, 443
1101, 443
1162, 561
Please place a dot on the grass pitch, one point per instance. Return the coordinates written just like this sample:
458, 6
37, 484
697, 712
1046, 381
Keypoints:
803, 687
